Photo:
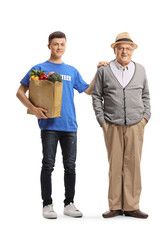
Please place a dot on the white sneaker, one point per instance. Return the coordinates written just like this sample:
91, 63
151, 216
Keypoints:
72, 211
48, 212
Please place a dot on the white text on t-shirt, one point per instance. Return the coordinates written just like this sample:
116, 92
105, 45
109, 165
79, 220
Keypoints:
66, 77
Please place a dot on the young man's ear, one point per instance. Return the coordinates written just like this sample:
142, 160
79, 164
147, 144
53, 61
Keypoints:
49, 46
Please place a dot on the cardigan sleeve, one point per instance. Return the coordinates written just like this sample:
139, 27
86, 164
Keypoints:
97, 97
146, 99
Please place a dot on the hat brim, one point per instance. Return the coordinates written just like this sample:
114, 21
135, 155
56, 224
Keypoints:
116, 43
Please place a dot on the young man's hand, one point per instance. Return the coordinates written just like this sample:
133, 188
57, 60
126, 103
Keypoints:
40, 112
37, 111
102, 64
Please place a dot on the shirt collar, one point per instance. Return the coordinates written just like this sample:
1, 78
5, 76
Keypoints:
120, 67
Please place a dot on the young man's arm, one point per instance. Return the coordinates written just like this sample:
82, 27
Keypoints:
21, 95
90, 88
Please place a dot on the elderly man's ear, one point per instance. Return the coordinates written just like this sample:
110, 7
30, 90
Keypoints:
102, 64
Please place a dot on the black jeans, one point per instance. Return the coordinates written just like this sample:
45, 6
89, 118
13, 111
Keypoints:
68, 143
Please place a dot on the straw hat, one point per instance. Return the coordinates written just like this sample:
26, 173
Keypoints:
123, 37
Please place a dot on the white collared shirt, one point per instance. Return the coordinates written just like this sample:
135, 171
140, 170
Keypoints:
124, 76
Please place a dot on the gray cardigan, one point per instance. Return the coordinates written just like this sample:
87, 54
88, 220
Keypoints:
118, 105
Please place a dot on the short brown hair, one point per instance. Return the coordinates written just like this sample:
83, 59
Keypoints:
57, 34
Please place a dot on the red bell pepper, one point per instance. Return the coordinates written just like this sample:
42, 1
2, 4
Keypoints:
43, 76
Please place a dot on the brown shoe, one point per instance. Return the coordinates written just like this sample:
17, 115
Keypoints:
112, 213
137, 214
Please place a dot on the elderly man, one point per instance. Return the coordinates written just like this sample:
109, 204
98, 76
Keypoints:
122, 106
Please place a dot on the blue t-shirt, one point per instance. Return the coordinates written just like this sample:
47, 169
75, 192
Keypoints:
71, 80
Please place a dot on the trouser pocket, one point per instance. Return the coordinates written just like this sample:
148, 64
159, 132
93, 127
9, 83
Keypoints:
143, 122
105, 126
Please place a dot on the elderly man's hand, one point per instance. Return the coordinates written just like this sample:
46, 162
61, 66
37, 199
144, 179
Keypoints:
102, 63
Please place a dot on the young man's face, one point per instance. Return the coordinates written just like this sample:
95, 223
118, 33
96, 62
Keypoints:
57, 47
124, 53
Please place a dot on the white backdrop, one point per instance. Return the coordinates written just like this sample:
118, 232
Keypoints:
90, 27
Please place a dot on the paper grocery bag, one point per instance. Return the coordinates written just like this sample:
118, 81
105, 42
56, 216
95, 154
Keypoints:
46, 94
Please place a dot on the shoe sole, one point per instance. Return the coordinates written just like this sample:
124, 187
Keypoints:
113, 216
127, 215
116, 215
69, 215
49, 217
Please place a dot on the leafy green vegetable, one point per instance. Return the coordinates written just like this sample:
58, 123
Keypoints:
55, 77
34, 72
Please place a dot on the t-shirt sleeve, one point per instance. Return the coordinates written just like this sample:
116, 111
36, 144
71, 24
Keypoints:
26, 78
80, 85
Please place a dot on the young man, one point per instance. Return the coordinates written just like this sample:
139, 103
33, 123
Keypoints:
122, 106
62, 129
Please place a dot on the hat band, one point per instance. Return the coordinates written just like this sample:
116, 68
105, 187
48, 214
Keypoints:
124, 39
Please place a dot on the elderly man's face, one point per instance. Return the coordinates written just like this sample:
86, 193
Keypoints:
123, 53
